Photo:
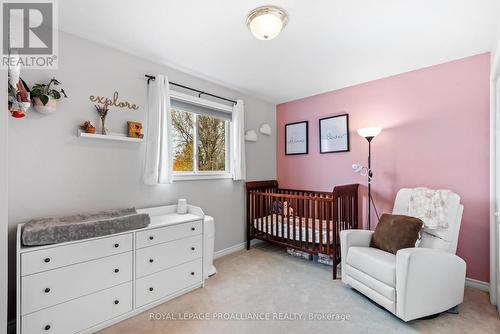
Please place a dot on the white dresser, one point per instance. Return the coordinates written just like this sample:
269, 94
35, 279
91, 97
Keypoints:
86, 285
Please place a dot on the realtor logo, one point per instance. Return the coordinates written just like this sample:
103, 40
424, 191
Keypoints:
29, 34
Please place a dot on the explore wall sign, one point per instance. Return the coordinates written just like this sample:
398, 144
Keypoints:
113, 102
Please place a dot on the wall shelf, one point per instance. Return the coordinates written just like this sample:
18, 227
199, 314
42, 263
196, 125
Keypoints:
111, 136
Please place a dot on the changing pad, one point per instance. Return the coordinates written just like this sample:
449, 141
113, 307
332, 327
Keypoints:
53, 230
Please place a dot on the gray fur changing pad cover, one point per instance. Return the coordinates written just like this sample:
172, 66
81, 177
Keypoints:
53, 230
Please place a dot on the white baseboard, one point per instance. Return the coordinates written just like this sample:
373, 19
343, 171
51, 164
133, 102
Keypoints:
476, 284
234, 249
229, 250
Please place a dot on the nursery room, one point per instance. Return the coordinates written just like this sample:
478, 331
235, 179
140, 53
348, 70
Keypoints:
249, 166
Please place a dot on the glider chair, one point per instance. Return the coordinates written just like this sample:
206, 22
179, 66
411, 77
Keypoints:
416, 282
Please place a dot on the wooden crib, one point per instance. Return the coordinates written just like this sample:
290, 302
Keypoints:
308, 221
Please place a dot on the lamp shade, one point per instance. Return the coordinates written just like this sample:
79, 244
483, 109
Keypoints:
369, 132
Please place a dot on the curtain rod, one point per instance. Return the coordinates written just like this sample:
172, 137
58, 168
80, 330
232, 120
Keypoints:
200, 92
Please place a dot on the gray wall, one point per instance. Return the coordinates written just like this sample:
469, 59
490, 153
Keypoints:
53, 172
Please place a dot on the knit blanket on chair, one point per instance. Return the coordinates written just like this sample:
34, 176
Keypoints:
430, 206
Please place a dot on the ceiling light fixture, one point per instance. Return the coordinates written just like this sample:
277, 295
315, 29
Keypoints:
266, 22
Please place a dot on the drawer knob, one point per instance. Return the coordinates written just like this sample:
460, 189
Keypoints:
117, 302
46, 260
192, 273
151, 260
192, 229
192, 248
151, 289
117, 270
47, 327
117, 245
47, 290
151, 238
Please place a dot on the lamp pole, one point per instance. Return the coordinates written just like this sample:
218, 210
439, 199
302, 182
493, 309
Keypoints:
369, 179
369, 134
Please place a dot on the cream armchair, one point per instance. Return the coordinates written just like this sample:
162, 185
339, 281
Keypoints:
416, 282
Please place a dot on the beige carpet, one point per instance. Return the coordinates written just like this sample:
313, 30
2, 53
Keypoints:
266, 279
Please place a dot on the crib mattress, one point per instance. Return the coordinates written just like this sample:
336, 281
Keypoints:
275, 228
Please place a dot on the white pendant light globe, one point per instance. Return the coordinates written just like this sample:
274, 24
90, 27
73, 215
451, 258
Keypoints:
267, 22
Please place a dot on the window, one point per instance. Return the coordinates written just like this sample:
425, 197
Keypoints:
183, 137
200, 141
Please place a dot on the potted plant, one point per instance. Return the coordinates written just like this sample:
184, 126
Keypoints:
88, 127
45, 96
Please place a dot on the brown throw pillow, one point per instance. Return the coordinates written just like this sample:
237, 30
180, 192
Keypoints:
395, 232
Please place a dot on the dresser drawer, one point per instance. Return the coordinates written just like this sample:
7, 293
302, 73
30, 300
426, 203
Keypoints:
59, 285
159, 257
59, 256
162, 284
168, 233
79, 314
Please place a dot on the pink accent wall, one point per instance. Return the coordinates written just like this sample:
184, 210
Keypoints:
435, 133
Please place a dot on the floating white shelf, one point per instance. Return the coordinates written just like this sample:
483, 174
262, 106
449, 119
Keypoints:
111, 136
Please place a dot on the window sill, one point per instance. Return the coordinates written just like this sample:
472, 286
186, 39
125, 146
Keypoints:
194, 177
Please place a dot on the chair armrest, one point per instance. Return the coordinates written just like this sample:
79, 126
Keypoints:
428, 281
350, 238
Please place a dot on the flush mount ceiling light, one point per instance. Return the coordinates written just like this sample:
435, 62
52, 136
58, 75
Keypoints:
266, 22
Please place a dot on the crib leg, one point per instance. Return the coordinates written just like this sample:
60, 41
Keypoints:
335, 265
249, 238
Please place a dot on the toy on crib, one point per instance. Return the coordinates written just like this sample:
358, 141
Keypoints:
287, 211
281, 208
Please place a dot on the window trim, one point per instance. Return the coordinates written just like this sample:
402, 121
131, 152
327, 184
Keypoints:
205, 175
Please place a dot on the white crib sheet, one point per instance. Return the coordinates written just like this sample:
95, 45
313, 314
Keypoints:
275, 226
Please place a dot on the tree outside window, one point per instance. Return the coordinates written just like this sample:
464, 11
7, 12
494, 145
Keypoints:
210, 133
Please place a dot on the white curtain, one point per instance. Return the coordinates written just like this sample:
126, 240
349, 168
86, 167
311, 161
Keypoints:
159, 157
238, 141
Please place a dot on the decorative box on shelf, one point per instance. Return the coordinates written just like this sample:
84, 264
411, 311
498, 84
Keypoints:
111, 136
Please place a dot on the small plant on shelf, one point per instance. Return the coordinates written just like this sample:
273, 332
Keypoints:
102, 112
88, 127
45, 96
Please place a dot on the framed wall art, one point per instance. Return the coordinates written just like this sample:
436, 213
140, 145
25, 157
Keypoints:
334, 134
296, 138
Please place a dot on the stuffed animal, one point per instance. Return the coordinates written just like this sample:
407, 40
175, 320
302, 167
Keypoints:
287, 210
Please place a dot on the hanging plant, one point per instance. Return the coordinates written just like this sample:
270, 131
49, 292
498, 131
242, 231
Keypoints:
45, 96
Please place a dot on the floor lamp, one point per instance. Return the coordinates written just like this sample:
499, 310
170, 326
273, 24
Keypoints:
369, 134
